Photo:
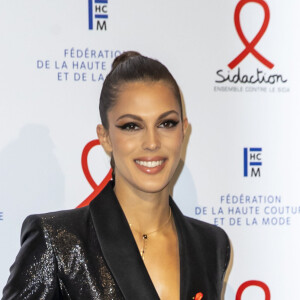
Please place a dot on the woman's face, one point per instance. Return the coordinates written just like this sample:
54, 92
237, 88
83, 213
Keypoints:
145, 135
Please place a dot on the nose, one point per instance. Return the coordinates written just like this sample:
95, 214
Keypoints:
151, 140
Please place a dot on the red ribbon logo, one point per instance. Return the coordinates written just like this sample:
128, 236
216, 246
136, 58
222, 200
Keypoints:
250, 46
253, 283
198, 296
84, 163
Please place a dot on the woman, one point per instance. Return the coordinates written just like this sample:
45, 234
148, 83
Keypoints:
132, 241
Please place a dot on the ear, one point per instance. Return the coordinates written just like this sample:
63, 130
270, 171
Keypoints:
185, 125
104, 139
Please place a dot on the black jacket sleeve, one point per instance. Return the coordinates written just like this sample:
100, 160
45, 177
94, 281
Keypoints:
33, 274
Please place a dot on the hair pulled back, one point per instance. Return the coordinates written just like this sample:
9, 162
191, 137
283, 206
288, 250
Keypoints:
128, 67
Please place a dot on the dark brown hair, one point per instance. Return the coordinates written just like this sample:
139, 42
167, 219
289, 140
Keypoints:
131, 66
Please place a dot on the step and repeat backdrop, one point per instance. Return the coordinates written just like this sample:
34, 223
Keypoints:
237, 64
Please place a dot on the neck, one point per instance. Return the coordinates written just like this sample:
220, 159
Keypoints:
146, 212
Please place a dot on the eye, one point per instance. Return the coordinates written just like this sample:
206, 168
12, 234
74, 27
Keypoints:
168, 124
129, 126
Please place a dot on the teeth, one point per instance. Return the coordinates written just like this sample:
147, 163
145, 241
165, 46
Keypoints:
149, 164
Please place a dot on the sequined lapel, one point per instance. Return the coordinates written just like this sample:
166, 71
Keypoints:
119, 247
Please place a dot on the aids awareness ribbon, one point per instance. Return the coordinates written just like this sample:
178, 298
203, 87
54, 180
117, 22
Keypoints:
198, 296
84, 163
250, 47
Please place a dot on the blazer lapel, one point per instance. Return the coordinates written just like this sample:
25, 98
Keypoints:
192, 259
119, 247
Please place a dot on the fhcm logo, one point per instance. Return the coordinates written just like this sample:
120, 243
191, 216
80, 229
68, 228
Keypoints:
98, 14
252, 162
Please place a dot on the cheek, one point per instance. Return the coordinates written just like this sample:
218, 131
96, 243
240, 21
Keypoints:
174, 142
122, 144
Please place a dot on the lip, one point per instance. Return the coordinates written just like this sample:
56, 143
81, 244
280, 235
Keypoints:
151, 170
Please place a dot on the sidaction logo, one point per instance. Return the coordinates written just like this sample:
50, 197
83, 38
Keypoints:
98, 14
235, 75
250, 47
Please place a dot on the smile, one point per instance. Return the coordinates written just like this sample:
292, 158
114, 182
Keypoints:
150, 164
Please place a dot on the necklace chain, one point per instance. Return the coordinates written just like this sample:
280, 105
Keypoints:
146, 235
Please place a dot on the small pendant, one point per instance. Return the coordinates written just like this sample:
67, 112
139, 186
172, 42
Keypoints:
145, 237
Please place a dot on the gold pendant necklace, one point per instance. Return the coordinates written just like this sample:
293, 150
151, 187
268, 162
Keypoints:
146, 235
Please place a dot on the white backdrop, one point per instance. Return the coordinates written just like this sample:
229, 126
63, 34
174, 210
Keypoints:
244, 118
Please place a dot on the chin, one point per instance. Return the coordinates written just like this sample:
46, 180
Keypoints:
152, 186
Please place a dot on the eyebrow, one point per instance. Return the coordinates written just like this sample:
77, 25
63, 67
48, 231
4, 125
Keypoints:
135, 117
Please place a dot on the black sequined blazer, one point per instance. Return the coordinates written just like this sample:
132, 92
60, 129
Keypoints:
90, 253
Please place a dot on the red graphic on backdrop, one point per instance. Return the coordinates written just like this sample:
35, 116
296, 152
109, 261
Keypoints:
84, 163
253, 283
250, 46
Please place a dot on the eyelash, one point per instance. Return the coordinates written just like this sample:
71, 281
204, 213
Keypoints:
129, 126
133, 126
168, 124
